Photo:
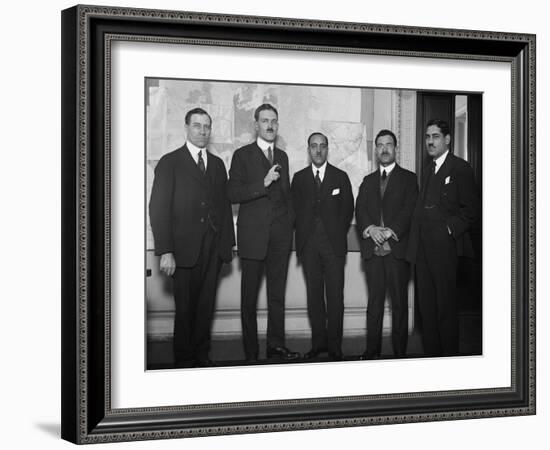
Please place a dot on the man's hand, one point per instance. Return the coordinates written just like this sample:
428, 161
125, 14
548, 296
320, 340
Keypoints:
378, 235
168, 264
389, 233
272, 175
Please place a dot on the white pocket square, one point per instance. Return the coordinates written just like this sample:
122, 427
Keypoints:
448, 180
336, 191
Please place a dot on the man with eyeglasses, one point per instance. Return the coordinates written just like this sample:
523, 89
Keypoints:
383, 211
192, 226
323, 201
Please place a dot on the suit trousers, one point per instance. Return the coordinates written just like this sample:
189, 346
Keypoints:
275, 265
195, 295
436, 268
387, 274
324, 274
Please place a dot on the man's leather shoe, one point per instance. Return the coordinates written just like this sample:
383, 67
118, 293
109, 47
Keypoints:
184, 363
314, 353
281, 352
368, 356
336, 356
205, 362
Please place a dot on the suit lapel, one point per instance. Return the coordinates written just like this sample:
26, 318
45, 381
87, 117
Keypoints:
262, 158
311, 184
445, 168
328, 181
426, 176
392, 180
191, 165
210, 170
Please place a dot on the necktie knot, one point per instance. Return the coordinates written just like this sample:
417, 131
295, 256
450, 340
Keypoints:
384, 174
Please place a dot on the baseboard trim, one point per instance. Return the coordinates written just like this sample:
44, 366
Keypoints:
227, 323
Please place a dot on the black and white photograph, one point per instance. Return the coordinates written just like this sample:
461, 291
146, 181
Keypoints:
281, 224
293, 223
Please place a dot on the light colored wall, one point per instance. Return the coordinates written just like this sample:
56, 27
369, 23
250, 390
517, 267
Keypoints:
160, 302
350, 117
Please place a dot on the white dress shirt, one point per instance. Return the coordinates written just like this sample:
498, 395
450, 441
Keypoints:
264, 145
321, 170
388, 168
440, 160
194, 150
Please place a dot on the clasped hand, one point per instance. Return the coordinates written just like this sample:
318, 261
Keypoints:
380, 234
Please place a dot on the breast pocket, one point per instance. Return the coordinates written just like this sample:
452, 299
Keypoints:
450, 190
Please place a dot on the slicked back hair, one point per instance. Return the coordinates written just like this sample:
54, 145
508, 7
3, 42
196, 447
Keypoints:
200, 111
264, 107
316, 133
441, 124
386, 133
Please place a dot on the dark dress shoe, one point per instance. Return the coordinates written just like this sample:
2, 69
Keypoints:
184, 363
314, 353
368, 356
336, 357
205, 362
282, 353
251, 359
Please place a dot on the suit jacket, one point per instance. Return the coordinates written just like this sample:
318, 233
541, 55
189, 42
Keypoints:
182, 202
458, 205
336, 209
397, 206
249, 167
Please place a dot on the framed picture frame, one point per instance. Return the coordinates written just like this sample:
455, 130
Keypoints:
90, 286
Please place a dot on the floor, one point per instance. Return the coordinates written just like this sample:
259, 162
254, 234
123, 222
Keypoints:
228, 352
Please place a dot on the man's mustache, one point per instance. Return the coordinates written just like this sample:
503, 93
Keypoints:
270, 130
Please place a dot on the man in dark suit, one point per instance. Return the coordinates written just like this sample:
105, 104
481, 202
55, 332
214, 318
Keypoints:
384, 208
259, 182
323, 202
192, 226
448, 205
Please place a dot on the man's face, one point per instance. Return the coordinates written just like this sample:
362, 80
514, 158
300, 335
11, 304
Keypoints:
198, 130
267, 125
385, 150
318, 150
436, 143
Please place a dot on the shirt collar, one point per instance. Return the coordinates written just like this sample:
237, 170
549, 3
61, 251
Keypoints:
440, 160
321, 170
264, 144
388, 168
194, 150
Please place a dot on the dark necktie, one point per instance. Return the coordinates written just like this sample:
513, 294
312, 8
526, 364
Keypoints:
270, 155
385, 248
201, 165
383, 182
429, 175
318, 180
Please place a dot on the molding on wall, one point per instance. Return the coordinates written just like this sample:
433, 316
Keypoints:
227, 323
